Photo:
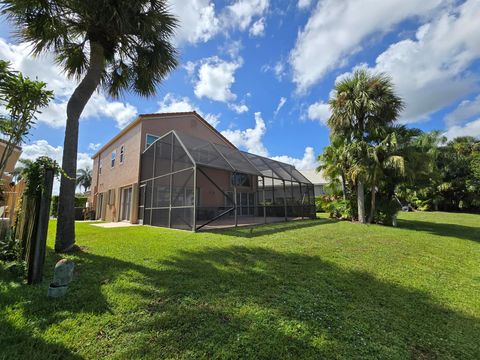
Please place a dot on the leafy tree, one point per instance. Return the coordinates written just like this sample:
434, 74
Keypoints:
362, 103
22, 100
121, 45
84, 178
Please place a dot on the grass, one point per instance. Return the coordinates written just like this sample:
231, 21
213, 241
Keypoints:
311, 289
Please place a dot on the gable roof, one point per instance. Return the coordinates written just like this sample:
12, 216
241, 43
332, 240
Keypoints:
141, 117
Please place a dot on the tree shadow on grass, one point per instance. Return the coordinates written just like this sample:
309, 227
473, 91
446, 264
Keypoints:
269, 229
438, 229
241, 302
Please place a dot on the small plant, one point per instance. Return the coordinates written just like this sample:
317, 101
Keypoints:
9, 247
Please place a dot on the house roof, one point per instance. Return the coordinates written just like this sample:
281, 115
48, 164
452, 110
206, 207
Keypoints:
141, 117
315, 177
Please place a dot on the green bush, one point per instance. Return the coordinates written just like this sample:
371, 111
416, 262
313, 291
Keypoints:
386, 211
9, 247
339, 209
80, 201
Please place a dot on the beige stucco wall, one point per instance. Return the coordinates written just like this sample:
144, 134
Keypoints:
122, 175
186, 123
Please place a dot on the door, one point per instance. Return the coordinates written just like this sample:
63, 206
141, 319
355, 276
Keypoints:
126, 203
245, 203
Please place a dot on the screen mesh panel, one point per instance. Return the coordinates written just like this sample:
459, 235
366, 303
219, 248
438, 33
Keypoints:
190, 182
203, 152
163, 155
181, 160
182, 188
237, 160
182, 218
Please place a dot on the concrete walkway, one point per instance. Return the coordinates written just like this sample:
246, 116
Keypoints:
115, 224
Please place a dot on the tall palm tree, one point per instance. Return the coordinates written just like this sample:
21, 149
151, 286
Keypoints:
84, 178
362, 103
119, 44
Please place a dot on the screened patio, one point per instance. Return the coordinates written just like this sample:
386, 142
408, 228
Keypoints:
191, 184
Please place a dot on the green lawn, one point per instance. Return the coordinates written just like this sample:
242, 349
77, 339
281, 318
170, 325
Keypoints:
307, 289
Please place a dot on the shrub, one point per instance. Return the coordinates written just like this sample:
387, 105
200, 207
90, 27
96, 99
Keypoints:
80, 202
387, 211
339, 209
9, 247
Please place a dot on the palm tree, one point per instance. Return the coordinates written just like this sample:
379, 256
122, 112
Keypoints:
119, 44
384, 156
21, 168
84, 178
334, 162
362, 103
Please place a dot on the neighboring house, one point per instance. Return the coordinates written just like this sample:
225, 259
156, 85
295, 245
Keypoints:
12, 160
318, 181
135, 179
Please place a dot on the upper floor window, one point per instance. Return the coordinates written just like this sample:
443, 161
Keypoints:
150, 140
239, 179
100, 167
122, 154
114, 155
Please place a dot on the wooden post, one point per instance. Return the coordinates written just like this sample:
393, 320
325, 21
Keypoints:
37, 258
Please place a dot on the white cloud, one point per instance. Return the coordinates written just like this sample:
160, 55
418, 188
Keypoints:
44, 68
431, 71
258, 28
471, 128
319, 111
215, 79
303, 4
172, 103
335, 31
280, 105
198, 21
307, 162
249, 139
241, 13
238, 108
43, 148
464, 111
278, 69
94, 147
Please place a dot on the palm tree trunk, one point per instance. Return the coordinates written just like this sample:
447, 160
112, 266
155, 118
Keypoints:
372, 204
66, 203
361, 201
344, 187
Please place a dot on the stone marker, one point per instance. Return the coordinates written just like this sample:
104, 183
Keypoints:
62, 276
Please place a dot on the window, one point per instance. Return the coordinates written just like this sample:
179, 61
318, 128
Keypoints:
150, 140
100, 167
114, 155
122, 154
239, 179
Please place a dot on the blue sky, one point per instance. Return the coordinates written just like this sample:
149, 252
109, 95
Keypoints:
262, 71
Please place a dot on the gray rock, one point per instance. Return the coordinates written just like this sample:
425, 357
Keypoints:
62, 276
63, 273
56, 292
